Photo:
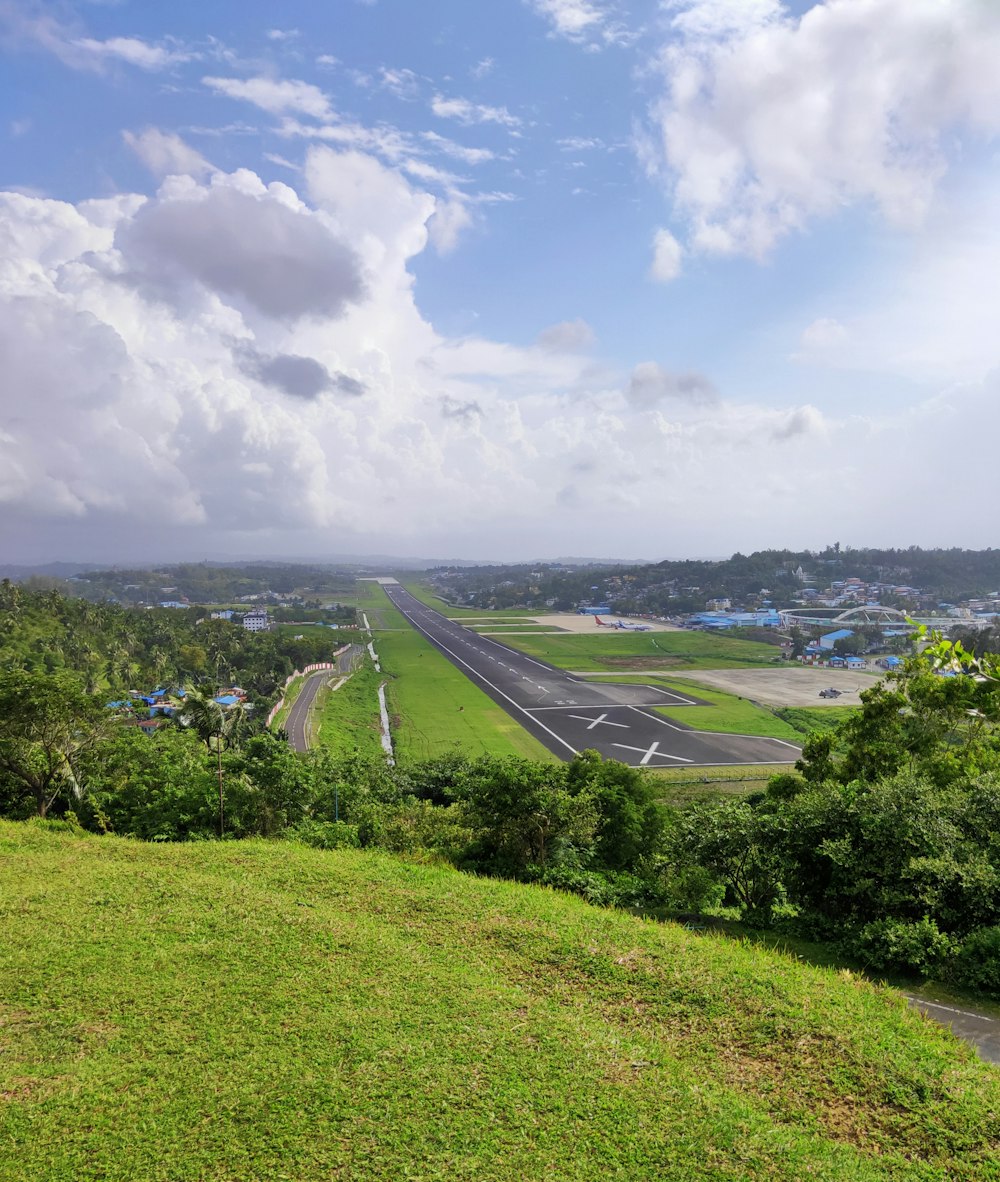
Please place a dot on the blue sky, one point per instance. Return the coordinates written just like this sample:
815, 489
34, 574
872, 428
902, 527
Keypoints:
526, 279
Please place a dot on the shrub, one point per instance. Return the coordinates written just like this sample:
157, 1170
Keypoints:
910, 945
975, 963
324, 835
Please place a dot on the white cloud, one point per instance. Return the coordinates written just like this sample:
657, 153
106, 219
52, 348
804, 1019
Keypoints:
458, 151
768, 120
569, 336
468, 112
403, 83
277, 97
667, 256
165, 154
576, 20
200, 372
483, 68
135, 52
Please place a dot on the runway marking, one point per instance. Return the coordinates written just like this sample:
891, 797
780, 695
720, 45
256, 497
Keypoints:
600, 721
647, 754
496, 689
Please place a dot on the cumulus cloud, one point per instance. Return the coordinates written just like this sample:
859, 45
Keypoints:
667, 256
164, 153
768, 120
276, 96
132, 420
651, 385
569, 336
248, 245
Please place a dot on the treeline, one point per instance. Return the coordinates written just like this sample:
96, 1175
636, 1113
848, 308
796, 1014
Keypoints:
110, 649
683, 585
203, 582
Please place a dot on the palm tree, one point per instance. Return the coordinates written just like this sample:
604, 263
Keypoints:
216, 724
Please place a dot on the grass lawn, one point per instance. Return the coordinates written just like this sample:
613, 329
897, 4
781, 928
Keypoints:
347, 719
434, 708
644, 650
499, 629
251, 1011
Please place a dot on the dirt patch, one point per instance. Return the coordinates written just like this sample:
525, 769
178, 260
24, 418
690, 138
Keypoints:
794, 686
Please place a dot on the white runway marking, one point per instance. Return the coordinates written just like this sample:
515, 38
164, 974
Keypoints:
598, 721
647, 755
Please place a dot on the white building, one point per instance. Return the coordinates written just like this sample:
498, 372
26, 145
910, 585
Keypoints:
256, 621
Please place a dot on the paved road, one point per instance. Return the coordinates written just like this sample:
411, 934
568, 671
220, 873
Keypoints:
568, 715
298, 716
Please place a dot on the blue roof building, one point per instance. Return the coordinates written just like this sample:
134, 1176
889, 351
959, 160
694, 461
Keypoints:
831, 638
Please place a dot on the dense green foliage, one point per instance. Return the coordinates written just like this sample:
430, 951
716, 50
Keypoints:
888, 839
111, 649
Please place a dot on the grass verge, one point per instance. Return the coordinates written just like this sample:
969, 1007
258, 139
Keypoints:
347, 719
296, 1014
435, 709
643, 650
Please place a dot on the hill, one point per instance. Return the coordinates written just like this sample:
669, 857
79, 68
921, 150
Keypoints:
261, 1010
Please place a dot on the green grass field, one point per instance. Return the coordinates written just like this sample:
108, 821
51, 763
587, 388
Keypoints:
644, 650
347, 719
500, 629
436, 709
253, 1012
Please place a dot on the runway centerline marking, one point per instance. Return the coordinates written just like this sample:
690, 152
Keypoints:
599, 721
647, 754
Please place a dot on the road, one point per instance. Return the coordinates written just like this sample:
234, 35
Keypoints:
568, 715
298, 715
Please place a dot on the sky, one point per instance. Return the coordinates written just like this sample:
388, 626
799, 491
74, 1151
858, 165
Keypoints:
512, 280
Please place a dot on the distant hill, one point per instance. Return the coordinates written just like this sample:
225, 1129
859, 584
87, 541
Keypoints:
258, 1010
53, 570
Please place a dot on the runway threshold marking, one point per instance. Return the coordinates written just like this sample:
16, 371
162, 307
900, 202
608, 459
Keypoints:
648, 753
599, 721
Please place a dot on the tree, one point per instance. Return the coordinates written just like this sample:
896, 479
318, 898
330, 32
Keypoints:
219, 724
46, 723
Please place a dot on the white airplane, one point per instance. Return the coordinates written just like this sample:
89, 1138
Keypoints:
621, 625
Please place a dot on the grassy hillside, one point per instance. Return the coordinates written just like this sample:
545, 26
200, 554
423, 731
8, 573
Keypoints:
253, 1011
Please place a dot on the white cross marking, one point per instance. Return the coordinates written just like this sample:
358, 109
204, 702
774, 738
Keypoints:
653, 750
597, 721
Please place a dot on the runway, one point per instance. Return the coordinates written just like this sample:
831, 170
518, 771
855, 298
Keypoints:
568, 715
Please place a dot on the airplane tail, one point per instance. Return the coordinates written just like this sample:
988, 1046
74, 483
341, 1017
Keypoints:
600, 623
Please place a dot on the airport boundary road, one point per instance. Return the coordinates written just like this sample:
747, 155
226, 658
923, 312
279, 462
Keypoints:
568, 715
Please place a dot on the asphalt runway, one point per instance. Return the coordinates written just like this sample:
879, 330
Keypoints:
568, 715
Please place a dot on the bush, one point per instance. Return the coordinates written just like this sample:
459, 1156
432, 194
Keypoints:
975, 963
911, 946
324, 835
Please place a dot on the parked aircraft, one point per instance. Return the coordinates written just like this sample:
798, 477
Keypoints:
621, 625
